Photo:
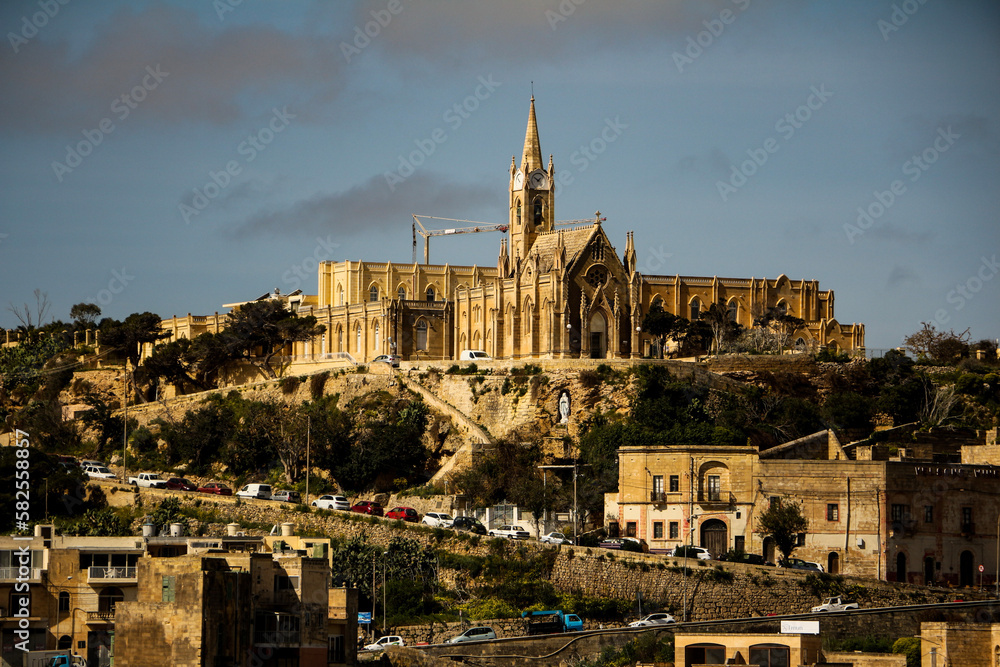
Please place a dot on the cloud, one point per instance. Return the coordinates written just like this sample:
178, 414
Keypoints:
213, 75
893, 234
902, 277
371, 207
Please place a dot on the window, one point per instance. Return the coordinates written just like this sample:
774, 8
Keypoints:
739, 543
373, 293
401, 293
63, 601
657, 530
518, 212
335, 651
899, 512
800, 540
928, 514
377, 341
538, 211
714, 487
675, 483
283, 582
168, 589
966, 515
340, 296
675, 530
422, 335
357, 347
774, 502
832, 512
430, 293
695, 310
769, 655
657, 484
734, 310
630, 529
782, 309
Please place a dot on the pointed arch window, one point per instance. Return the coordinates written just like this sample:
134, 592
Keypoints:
518, 218
357, 335
422, 335
430, 293
373, 293
376, 331
734, 310
537, 212
340, 295
401, 293
695, 309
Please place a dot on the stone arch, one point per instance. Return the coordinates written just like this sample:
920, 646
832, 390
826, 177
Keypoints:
713, 481
431, 292
597, 330
715, 537
421, 334
65, 642
401, 292
374, 291
694, 308
475, 341
733, 309
340, 294
833, 563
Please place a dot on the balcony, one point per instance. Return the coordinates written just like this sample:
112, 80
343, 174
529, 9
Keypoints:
716, 497
12, 573
968, 530
100, 573
657, 497
101, 616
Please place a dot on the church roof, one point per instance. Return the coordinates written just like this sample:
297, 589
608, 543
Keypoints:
546, 244
531, 158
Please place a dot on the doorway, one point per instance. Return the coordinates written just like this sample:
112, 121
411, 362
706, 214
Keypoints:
598, 336
928, 570
833, 563
966, 566
715, 537
901, 567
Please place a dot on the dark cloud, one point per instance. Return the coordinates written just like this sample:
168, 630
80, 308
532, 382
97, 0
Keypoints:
902, 277
372, 207
206, 75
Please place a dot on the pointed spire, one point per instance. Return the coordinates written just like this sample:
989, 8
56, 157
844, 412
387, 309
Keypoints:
532, 157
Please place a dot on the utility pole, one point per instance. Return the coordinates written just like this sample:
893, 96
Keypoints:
690, 536
125, 426
308, 425
575, 466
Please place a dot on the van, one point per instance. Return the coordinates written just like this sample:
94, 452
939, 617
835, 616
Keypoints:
262, 491
474, 355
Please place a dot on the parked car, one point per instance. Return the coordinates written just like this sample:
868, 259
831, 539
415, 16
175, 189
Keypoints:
469, 523
181, 484
367, 507
684, 551
438, 519
403, 513
382, 642
659, 618
148, 480
474, 355
99, 472
218, 488
477, 634
329, 502
510, 532
391, 359
91, 462
834, 604
555, 538
625, 544
799, 564
285, 496
262, 491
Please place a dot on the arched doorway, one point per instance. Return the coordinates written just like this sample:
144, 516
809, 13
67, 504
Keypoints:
769, 550
598, 336
901, 566
833, 563
966, 566
65, 642
929, 570
715, 537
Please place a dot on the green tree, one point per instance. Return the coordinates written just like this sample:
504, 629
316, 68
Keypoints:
662, 325
129, 334
724, 329
782, 521
260, 330
910, 647
84, 315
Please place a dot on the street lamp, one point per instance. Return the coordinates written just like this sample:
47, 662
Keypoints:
996, 572
384, 554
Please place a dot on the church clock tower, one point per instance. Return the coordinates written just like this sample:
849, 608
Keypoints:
532, 194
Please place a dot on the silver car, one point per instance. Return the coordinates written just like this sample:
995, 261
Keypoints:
555, 538
659, 618
478, 634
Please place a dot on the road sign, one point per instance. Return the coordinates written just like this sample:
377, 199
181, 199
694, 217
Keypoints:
981, 568
364, 617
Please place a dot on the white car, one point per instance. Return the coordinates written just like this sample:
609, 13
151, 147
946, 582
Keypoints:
555, 538
510, 532
330, 502
438, 519
99, 472
834, 604
382, 642
660, 618
701, 553
262, 491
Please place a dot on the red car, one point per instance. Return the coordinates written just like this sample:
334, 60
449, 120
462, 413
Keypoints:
181, 484
367, 507
217, 488
403, 513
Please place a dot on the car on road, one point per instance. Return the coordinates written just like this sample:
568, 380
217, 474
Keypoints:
218, 488
469, 523
99, 472
90, 462
438, 519
331, 502
510, 532
799, 564
367, 507
181, 484
477, 634
659, 618
285, 496
632, 544
555, 538
382, 642
749, 559
391, 359
834, 604
261, 491
684, 551
403, 514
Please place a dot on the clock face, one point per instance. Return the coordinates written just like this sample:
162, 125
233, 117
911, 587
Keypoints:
518, 180
538, 180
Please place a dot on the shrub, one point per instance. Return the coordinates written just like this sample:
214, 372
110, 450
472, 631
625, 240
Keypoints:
317, 383
589, 379
289, 384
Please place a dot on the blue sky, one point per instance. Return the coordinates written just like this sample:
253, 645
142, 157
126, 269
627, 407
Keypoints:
175, 156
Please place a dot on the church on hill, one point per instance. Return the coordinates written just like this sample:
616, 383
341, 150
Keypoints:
553, 294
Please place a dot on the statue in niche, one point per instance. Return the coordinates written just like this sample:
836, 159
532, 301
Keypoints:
564, 407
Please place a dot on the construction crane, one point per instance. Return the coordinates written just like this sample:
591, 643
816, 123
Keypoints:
586, 221
418, 228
